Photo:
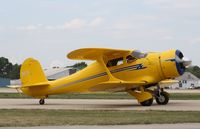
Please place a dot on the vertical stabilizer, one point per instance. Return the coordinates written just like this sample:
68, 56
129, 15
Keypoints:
31, 73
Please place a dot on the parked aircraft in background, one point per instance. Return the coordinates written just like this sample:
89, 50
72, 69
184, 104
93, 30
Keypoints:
113, 70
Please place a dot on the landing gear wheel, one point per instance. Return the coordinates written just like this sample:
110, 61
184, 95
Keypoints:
162, 98
147, 102
42, 102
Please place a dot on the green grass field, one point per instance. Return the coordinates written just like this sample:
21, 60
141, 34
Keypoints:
19, 117
173, 96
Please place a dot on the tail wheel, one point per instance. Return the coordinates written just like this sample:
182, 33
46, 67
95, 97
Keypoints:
147, 102
162, 98
42, 101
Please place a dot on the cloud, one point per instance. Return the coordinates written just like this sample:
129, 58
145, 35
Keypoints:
72, 24
30, 27
96, 22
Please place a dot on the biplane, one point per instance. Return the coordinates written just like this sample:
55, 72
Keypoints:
113, 70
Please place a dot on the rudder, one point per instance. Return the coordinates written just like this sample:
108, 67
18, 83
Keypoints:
31, 73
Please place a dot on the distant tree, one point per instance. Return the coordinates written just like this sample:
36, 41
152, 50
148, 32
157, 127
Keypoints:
8, 70
79, 66
15, 72
194, 70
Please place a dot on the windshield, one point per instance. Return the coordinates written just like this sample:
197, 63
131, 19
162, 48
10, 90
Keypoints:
138, 54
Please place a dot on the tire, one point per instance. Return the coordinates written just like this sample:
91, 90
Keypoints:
42, 101
163, 99
147, 102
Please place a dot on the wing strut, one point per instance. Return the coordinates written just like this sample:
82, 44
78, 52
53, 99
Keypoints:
111, 77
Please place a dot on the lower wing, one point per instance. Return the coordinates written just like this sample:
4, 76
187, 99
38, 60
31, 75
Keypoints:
116, 86
167, 83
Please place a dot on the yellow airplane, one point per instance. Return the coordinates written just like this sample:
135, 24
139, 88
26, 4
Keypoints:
114, 70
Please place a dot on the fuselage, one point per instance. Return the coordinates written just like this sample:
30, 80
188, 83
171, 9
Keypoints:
152, 69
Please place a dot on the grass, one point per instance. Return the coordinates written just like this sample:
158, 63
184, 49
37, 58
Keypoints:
19, 117
173, 96
185, 96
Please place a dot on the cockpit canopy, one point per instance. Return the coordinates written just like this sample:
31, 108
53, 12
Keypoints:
133, 56
138, 54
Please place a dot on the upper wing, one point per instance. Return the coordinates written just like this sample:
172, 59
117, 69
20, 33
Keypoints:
116, 86
96, 53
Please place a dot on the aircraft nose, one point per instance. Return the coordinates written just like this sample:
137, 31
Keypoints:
184, 60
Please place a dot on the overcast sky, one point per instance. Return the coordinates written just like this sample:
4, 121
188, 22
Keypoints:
49, 29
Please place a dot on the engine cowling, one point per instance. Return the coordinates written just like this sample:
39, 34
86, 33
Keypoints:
173, 63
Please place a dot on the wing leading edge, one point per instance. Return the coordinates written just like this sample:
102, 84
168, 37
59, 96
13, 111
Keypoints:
96, 53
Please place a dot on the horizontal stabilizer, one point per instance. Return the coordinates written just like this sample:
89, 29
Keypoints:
28, 86
14, 86
36, 85
116, 86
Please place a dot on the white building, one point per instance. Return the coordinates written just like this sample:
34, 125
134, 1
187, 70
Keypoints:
51, 74
187, 81
15, 82
57, 72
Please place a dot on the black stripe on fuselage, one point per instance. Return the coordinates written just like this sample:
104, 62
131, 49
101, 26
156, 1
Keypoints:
131, 68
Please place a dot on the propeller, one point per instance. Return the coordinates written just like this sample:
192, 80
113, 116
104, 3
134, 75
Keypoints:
183, 60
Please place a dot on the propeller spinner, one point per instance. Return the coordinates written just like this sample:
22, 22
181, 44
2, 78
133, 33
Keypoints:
181, 62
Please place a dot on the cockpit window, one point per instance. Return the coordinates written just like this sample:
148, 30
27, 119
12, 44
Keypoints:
138, 54
130, 59
115, 62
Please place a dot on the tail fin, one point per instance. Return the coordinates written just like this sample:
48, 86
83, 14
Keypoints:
31, 73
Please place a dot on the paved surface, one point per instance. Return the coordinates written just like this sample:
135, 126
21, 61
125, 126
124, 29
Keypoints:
9, 90
97, 104
152, 126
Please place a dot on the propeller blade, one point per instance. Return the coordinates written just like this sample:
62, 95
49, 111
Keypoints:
186, 61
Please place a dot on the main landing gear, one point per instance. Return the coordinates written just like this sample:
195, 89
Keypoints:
148, 102
162, 97
145, 96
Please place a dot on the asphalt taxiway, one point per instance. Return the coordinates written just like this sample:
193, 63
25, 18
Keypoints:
151, 126
98, 104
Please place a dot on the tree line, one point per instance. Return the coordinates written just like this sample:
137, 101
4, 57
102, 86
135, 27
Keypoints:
194, 70
9, 70
78, 66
